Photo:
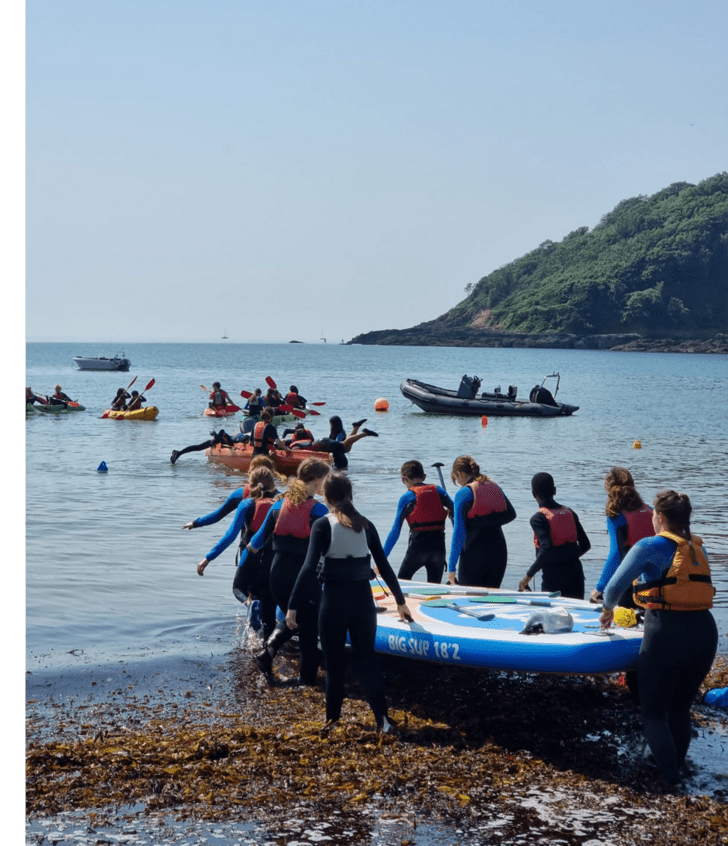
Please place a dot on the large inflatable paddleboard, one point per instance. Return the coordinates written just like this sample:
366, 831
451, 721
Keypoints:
476, 627
239, 457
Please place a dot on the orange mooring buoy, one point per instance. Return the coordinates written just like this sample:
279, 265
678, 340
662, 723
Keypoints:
484, 420
381, 404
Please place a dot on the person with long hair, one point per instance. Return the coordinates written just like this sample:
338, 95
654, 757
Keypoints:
253, 580
670, 578
478, 548
560, 542
629, 519
286, 530
347, 541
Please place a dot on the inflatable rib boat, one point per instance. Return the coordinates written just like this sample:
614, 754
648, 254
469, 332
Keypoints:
476, 627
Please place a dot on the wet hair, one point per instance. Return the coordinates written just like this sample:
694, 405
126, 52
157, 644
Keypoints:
300, 434
262, 481
676, 509
266, 414
621, 492
215, 384
542, 485
468, 465
294, 389
310, 470
336, 426
412, 470
135, 393
339, 496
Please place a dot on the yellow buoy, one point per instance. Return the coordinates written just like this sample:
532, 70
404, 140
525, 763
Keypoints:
484, 420
381, 404
637, 445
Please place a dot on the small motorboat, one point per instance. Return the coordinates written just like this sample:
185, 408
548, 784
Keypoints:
150, 412
239, 457
503, 630
467, 401
118, 362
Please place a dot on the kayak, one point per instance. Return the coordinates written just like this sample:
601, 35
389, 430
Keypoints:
53, 409
148, 413
239, 457
278, 419
225, 411
478, 627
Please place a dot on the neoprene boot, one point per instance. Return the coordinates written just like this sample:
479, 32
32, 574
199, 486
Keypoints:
264, 659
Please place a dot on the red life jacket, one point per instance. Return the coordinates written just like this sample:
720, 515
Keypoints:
487, 499
293, 399
686, 586
639, 525
294, 520
262, 507
562, 526
428, 514
258, 435
299, 442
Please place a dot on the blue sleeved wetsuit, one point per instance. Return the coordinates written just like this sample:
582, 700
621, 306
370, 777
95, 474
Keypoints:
424, 549
236, 527
230, 504
677, 652
613, 557
481, 551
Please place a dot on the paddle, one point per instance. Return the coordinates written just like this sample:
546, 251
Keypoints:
289, 409
315, 403
439, 466
271, 384
479, 615
149, 386
246, 394
543, 603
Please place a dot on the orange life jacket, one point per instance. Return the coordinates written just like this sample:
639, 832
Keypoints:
258, 435
562, 526
304, 442
686, 586
487, 499
294, 520
639, 525
428, 514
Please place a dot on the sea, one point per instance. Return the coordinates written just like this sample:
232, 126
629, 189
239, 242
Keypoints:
111, 576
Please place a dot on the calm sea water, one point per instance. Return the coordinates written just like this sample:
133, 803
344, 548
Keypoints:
110, 572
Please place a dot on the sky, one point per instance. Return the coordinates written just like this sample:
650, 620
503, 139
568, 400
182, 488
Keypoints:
302, 169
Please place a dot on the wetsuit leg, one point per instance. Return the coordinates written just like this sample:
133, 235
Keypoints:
336, 448
676, 654
483, 559
333, 629
424, 549
307, 619
567, 577
195, 448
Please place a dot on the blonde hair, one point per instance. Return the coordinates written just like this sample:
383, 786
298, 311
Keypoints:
621, 492
468, 465
310, 470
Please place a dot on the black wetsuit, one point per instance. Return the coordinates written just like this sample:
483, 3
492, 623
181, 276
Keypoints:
560, 565
347, 606
252, 576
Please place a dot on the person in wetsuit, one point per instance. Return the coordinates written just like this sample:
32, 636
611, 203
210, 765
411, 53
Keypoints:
222, 438
219, 399
287, 529
119, 401
338, 443
135, 401
59, 398
347, 541
478, 546
671, 579
425, 508
560, 542
264, 436
31, 397
629, 519
251, 581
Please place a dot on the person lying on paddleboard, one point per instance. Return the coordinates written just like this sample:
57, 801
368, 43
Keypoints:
222, 438
425, 508
303, 439
560, 542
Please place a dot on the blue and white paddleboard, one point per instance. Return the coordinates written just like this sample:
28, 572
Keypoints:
447, 629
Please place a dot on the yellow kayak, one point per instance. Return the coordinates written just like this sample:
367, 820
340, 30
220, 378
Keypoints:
148, 413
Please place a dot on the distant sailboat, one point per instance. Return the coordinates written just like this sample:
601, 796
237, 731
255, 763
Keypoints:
224, 335
322, 336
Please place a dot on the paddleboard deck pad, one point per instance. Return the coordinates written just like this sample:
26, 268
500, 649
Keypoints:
445, 634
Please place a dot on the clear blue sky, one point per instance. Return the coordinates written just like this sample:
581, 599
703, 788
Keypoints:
287, 168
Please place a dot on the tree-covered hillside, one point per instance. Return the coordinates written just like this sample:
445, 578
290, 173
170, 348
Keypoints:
656, 266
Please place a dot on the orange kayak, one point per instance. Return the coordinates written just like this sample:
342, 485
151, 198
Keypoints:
239, 457
225, 411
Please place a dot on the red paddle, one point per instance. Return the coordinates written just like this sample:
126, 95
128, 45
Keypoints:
105, 415
150, 385
271, 383
246, 394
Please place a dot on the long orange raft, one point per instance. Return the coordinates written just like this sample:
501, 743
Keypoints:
239, 457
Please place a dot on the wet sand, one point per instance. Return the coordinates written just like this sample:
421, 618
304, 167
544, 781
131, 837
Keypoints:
204, 750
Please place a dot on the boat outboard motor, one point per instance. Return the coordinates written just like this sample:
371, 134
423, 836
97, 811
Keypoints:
468, 387
542, 395
553, 620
